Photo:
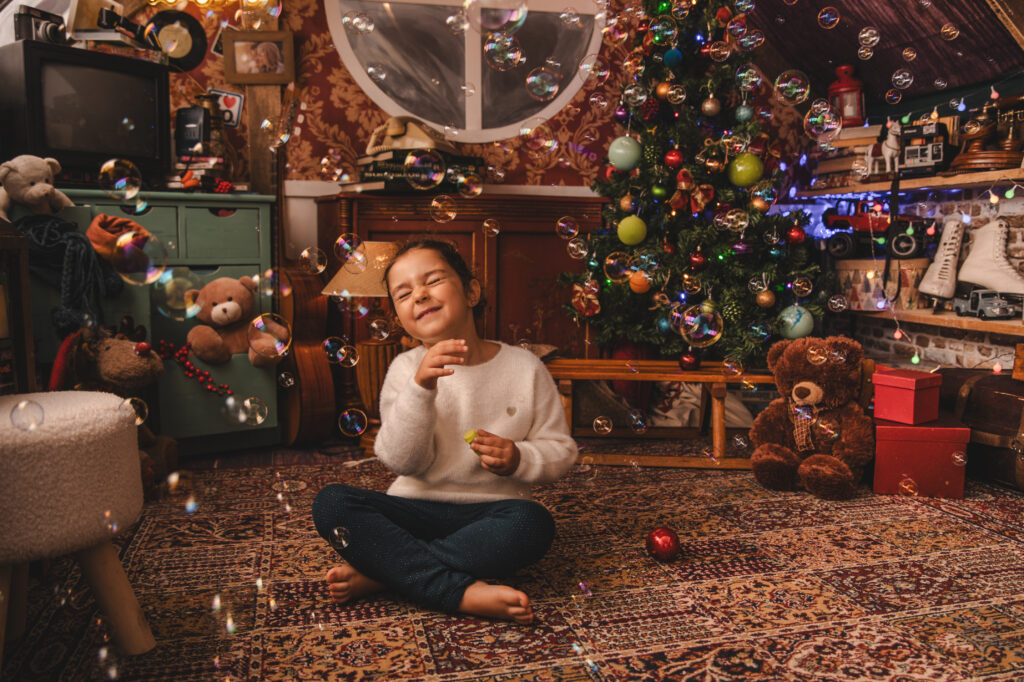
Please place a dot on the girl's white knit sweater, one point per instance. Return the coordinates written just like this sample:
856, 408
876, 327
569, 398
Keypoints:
511, 395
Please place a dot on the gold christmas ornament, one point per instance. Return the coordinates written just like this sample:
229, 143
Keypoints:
639, 282
759, 204
661, 91
626, 203
765, 299
712, 106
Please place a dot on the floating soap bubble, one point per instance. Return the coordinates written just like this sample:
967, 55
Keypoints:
567, 227
865, 53
940, 83
690, 283
136, 408
824, 430
273, 282
490, 16
27, 415
191, 505
869, 36
349, 356
286, 380
491, 227
637, 421
593, 68
823, 126
457, 23
256, 410
269, 335
719, 51
838, 303
732, 367
816, 355
949, 31
470, 185
792, 87
909, 54
616, 266
602, 425
759, 331
701, 324
378, 73
424, 169
636, 94
893, 96
502, 51
357, 23
828, 17
140, 258
334, 348
313, 260
751, 40
339, 537
802, 286
737, 27
352, 422
749, 77
542, 84
907, 487
442, 209
537, 136
576, 248
740, 442
676, 94
120, 179
569, 18
663, 30
170, 294
959, 458
902, 78
235, 410
379, 329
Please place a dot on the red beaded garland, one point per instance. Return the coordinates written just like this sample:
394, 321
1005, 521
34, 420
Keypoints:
166, 349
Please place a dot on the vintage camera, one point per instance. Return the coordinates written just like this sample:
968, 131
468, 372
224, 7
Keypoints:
35, 24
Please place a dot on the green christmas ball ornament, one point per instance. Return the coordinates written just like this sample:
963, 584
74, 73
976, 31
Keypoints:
795, 322
659, 191
745, 170
632, 230
624, 153
664, 7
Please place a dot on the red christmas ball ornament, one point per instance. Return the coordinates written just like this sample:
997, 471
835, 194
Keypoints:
723, 16
796, 235
673, 158
698, 261
689, 361
663, 544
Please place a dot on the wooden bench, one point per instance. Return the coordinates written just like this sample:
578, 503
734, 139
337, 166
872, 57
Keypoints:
714, 381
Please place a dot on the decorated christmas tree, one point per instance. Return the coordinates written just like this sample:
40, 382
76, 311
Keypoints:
693, 262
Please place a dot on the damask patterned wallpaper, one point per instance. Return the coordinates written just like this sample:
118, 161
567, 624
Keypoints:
337, 118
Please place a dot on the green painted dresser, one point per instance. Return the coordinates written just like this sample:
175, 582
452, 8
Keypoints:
214, 235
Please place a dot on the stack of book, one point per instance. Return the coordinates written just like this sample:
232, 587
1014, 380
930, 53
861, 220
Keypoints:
119, 44
387, 171
197, 168
834, 168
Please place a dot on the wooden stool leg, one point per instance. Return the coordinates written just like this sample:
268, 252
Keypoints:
102, 568
718, 420
17, 601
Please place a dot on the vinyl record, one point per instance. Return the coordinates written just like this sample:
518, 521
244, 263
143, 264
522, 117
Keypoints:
180, 36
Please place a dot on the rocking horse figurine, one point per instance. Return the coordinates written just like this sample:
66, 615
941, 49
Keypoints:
887, 150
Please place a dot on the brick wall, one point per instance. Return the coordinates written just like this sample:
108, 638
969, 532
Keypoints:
940, 345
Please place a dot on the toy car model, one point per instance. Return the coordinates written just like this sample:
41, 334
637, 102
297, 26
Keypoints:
986, 304
859, 219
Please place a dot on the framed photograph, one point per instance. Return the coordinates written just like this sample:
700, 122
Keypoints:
263, 57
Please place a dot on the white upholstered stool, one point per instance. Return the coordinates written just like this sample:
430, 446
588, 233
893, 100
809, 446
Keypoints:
63, 483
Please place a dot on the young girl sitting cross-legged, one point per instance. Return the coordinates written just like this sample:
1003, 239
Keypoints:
468, 425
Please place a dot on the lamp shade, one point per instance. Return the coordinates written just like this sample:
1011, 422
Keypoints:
363, 273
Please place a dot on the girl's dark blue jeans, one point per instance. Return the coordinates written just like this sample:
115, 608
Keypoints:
430, 552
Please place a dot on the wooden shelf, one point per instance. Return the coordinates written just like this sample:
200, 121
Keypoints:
1012, 327
959, 181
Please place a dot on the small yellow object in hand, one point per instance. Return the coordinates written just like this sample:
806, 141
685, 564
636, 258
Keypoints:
469, 436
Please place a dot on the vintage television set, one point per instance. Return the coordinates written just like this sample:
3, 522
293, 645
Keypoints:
83, 108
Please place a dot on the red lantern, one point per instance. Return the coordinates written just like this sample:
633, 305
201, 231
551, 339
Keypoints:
846, 96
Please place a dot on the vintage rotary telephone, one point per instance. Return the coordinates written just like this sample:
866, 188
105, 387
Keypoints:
405, 132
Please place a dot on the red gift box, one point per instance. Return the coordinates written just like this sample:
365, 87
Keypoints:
907, 396
922, 459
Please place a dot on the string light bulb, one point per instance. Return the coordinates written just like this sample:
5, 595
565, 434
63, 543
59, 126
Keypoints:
935, 114
992, 93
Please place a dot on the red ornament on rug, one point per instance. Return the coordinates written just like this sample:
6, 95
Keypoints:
663, 544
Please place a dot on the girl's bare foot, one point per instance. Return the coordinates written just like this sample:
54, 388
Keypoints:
496, 601
346, 583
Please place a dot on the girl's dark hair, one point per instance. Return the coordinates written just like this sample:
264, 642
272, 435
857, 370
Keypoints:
451, 256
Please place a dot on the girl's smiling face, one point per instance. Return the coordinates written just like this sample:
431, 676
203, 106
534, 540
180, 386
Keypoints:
430, 300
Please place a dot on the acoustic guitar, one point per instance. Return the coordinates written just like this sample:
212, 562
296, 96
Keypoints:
307, 407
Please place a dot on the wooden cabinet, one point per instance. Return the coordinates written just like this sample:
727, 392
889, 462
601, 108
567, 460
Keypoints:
518, 267
213, 235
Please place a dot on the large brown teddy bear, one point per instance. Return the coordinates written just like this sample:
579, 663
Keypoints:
226, 305
28, 180
815, 436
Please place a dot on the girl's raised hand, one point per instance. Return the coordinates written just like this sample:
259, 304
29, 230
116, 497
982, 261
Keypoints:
447, 352
498, 455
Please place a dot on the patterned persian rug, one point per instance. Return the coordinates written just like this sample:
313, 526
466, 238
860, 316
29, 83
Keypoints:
770, 586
